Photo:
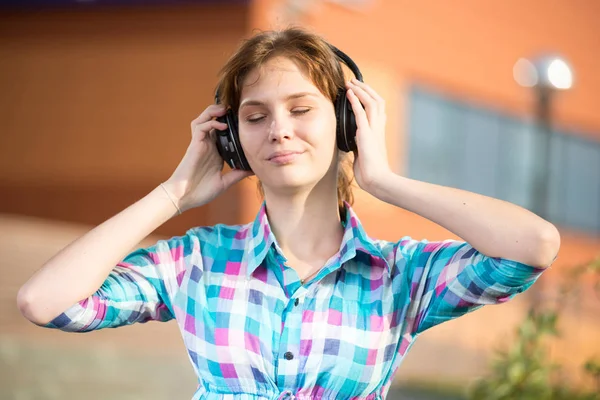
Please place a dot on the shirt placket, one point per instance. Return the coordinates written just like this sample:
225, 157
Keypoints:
289, 356
289, 348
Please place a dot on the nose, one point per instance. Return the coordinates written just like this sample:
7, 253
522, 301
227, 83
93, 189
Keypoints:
281, 128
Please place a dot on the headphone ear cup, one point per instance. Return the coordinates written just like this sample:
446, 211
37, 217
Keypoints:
346, 123
242, 162
222, 140
228, 143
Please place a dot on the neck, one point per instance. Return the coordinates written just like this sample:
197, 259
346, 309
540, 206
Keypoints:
307, 227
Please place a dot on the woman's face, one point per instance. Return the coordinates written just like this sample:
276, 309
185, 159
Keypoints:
287, 127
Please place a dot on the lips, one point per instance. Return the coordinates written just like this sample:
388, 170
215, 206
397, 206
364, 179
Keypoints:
283, 157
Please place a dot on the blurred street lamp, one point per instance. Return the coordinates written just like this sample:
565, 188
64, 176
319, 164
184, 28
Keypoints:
546, 75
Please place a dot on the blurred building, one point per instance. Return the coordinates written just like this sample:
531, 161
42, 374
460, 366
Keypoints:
97, 98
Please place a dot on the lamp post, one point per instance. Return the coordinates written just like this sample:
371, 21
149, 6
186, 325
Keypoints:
546, 75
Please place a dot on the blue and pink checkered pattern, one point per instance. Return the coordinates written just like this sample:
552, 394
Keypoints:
253, 331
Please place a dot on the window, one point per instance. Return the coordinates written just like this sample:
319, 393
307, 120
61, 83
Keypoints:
457, 144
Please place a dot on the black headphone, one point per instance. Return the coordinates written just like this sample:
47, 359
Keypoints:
228, 140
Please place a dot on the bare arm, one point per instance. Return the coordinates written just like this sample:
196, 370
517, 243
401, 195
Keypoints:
494, 227
79, 269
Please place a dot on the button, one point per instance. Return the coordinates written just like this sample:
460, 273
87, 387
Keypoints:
288, 355
286, 395
297, 301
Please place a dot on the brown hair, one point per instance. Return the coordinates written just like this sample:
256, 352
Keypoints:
312, 54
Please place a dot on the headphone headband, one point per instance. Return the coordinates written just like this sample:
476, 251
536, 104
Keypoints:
348, 61
230, 148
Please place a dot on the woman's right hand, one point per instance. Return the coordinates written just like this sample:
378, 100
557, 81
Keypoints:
198, 179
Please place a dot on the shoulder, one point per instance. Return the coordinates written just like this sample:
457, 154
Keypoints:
404, 246
189, 255
211, 238
220, 232
202, 238
408, 248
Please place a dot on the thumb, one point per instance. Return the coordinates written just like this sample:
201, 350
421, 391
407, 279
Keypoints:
235, 176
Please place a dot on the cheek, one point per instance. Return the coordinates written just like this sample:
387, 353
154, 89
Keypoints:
324, 137
249, 141
252, 141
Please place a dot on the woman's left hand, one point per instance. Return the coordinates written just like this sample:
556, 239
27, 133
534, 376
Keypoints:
370, 161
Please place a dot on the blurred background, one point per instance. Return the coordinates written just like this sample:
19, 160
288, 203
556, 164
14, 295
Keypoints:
500, 98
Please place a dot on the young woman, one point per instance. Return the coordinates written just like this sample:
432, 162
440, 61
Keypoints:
301, 303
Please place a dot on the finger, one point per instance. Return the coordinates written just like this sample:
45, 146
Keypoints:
362, 122
212, 111
367, 101
200, 131
368, 89
212, 135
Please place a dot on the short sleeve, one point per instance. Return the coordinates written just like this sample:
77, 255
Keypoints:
451, 278
138, 289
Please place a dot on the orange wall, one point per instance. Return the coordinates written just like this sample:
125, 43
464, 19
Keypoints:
96, 106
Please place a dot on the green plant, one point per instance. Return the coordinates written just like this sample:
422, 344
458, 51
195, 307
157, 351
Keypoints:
524, 371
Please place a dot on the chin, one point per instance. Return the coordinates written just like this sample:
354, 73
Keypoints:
294, 176
290, 178
291, 182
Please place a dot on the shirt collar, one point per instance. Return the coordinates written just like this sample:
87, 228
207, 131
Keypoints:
260, 239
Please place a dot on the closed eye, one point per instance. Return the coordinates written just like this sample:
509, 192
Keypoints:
300, 111
255, 118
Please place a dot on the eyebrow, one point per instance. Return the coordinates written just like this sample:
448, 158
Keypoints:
251, 102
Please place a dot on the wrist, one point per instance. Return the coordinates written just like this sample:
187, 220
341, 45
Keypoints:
167, 191
380, 185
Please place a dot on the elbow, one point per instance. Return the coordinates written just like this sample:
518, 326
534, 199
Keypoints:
31, 308
548, 246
